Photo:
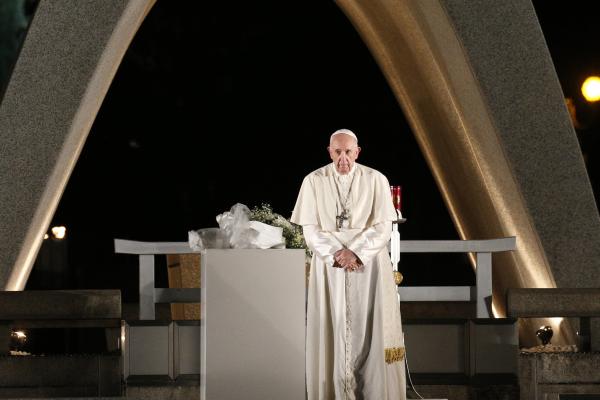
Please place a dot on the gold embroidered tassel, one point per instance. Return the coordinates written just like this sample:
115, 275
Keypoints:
398, 277
394, 354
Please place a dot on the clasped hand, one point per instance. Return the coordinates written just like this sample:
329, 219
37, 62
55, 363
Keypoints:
346, 259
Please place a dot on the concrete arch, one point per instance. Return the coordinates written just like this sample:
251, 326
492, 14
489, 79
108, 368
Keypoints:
68, 60
479, 88
475, 81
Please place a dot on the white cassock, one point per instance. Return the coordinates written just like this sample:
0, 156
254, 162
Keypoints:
354, 341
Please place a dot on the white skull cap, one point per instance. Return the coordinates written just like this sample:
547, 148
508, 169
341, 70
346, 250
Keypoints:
343, 132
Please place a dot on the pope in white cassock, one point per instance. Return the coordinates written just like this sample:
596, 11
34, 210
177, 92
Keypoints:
354, 341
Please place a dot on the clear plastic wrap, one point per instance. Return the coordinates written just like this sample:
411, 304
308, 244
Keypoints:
207, 238
238, 232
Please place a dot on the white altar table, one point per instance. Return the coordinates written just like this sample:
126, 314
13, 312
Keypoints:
252, 324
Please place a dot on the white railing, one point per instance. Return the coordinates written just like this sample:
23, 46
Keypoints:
150, 295
481, 293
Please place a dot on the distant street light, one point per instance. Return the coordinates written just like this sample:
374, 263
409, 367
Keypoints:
59, 232
591, 89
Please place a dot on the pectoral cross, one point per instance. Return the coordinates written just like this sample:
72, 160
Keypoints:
344, 216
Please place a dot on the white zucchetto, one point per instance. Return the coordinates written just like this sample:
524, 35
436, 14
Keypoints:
343, 132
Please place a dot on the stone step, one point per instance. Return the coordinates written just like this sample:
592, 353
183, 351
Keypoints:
438, 309
68, 398
60, 376
465, 392
60, 304
553, 302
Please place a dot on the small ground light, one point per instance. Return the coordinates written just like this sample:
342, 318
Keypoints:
591, 89
59, 232
20, 334
17, 340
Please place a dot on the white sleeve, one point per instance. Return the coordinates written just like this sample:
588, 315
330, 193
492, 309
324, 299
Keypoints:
371, 241
322, 243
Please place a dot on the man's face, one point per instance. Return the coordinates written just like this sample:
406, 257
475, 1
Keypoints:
343, 150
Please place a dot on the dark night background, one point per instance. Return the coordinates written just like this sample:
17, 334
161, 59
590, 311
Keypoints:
212, 107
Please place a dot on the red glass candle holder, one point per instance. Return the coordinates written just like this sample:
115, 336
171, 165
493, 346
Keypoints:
397, 197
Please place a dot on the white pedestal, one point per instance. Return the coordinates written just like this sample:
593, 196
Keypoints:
253, 324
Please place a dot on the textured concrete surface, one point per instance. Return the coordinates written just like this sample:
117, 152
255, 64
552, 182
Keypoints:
437, 309
527, 382
166, 392
465, 392
558, 302
479, 89
507, 52
66, 64
546, 375
61, 304
568, 368
60, 375
452, 392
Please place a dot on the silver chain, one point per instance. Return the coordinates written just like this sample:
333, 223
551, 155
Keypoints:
344, 199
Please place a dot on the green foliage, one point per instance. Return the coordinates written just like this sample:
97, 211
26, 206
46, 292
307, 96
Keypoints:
294, 239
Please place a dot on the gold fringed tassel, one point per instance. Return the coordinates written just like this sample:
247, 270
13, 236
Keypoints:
394, 354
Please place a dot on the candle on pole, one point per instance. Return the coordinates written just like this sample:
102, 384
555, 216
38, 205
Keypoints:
397, 198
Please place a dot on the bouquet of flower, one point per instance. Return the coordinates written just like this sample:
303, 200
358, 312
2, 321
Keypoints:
294, 239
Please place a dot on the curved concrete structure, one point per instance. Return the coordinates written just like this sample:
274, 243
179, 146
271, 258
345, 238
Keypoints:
478, 86
474, 78
68, 60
